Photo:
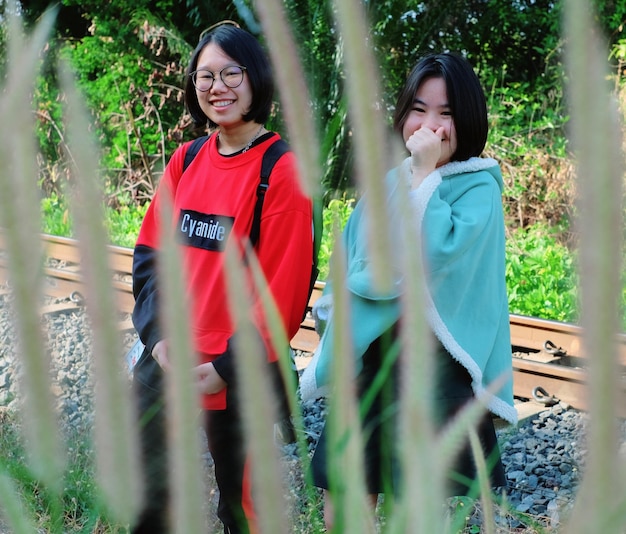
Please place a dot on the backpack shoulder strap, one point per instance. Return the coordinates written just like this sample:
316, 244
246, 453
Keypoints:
193, 150
273, 153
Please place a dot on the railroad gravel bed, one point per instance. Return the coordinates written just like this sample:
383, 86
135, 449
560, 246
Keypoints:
543, 455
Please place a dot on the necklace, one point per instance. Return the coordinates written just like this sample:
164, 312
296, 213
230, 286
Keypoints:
247, 147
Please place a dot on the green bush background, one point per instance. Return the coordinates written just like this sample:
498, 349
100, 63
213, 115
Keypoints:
129, 60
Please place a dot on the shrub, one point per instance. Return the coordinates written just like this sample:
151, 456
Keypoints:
541, 275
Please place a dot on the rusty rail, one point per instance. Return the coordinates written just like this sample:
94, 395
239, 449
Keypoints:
62, 273
550, 356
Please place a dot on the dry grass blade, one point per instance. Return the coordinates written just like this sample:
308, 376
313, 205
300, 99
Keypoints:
368, 128
19, 212
345, 456
597, 142
420, 504
186, 477
13, 507
293, 91
259, 404
281, 343
115, 438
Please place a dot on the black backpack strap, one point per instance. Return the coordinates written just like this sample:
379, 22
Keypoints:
193, 150
271, 156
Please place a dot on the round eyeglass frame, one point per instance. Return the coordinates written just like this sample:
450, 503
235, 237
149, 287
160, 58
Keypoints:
221, 75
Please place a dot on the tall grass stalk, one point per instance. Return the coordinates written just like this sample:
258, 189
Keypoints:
295, 98
281, 343
187, 481
19, 215
13, 508
367, 127
116, 451
345, 457
597, 142
258, 401
294, 93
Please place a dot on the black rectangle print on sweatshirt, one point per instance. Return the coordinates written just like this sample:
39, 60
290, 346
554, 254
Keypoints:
206, 231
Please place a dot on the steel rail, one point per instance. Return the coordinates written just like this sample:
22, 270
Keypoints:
62, 274
550, 362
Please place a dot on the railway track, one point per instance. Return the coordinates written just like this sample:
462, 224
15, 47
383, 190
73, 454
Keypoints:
549, 363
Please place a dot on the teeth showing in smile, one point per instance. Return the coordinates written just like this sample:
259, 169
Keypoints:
222, 103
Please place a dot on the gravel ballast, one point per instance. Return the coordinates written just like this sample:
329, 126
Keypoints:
543, 455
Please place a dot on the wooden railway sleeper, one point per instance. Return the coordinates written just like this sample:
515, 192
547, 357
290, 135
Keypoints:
541, 396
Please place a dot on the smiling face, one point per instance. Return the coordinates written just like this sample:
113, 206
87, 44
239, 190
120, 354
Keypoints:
431, 110
223, 105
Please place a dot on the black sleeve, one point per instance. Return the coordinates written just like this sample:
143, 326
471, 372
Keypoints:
145, 291
225, 363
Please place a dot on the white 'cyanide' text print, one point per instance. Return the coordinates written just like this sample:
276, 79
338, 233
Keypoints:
201, 230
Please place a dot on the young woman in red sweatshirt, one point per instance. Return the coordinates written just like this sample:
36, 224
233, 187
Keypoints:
229, 89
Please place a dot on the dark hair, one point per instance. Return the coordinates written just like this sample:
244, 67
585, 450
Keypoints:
244, 48
465, 96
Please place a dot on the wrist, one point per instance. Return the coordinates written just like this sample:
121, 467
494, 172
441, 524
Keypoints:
418, 176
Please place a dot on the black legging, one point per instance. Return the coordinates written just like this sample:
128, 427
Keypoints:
226, 442
149, 394
452, 391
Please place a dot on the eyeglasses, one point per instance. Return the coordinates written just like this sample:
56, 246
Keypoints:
231, 76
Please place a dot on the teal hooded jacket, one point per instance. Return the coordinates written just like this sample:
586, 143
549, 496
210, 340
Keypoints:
459, 223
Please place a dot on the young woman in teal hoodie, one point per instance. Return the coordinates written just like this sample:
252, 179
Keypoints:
456, 201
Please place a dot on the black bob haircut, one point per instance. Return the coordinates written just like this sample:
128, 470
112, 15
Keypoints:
244, 48
465, 96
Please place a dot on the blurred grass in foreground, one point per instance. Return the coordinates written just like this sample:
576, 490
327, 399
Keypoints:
601, 500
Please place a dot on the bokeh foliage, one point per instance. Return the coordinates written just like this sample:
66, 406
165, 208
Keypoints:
130, 57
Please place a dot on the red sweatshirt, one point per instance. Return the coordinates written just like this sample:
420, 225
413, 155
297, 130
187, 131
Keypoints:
213, 203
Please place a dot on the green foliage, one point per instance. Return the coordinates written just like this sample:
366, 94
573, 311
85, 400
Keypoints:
336, 215
130, 70
129, 60
56, 217
322, 58
128, 100
520, 37
78, 508
48, 112
612, 13
517, 112
124, 223
541, 274
524, 121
